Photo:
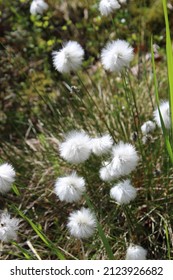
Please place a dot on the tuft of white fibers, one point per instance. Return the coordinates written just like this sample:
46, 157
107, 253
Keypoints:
69, 58
147, 127
105, 173
123, 192
116, 55
8, 227
82, 223
7, 177
124, 161
136, 252
165, 112
70, 188
106, 7
76, 148
38, 7
101, 145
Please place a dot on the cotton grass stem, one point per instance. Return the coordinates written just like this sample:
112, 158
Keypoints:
169, 55
99, 111
130, 223
100, 231
165, 134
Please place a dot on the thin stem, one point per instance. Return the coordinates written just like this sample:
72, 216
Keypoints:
100, 231
98, 109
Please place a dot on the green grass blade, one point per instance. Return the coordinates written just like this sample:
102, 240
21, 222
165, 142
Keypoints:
16, 190
24, 251
165, 134
42, 236
169, 55
101, 232
167, 241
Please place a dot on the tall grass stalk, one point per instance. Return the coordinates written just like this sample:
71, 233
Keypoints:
100, 231
165, 133
169, 55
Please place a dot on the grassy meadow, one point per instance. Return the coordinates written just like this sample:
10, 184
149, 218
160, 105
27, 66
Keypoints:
39, 105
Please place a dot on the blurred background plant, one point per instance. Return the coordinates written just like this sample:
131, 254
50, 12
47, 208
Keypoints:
38, 105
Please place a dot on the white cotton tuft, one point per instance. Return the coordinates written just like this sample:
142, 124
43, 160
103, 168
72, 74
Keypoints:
147, 127
106, 7
82, 223
8, 227
123, 192
101, 145
125, 159
165, 112
38, 7
76, 148
69, 58
136, 252
116, 55
7, 177
70, 188
105, 173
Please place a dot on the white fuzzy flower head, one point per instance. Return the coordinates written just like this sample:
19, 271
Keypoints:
69, 58
76, 148
136, 252
106, 172
8, 227
70, 188
7, 177
106, 7
38, 7
116, 55
123, 192
165, 112
147, 127
125, 159
101, 145
82, 223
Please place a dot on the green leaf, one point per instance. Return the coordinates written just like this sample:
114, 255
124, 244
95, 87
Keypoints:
165, 133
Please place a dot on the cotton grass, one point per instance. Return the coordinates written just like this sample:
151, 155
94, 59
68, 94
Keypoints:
116, 55
7, 177
69, 58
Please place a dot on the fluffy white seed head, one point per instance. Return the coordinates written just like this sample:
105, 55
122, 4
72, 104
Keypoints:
101, 145
116, 55
38, 7
8, 227
106, 7
76, 148
147, 127
125, 159
69, 58
105, 172
136, 252
82, 223
123, 192
7, 177
70, 188
165, 112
